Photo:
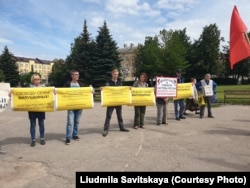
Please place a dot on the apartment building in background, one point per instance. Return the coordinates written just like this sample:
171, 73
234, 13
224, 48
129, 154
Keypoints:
26, 65
127, 54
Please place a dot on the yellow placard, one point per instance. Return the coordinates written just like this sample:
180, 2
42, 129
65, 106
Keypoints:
40, 99
142, 96
74, 98
115, 95
201, 100
184, 90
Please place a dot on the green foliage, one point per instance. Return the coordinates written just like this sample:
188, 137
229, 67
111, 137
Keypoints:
9, 67
2, 76
60, 75
25, 79
105, 57
207, 50
163, 54
149, 58
80, 56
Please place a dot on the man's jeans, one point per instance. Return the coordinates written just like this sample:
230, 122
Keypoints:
179, 111
33, 128
73, 120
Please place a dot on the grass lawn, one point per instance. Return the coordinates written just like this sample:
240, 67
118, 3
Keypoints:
220, 94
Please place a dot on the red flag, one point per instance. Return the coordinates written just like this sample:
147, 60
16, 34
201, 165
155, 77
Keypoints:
239, 42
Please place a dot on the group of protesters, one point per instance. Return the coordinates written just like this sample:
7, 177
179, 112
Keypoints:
202, 91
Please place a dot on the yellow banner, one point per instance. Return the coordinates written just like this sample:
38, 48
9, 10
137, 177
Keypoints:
142, 96
115, 95
33, 99
184, 91
74, 98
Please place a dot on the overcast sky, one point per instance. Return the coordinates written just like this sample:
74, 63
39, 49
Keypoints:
45, 29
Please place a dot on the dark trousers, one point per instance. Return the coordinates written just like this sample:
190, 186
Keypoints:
109, 114
208, 103
139, 115
33, 128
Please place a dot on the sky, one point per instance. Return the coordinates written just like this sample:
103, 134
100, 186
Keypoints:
45, 29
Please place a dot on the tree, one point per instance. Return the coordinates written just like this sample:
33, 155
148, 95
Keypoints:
176, 45
149, 58
163, 54
9, 67
208, 50
105, 57
59, 75
79, 59
2, 76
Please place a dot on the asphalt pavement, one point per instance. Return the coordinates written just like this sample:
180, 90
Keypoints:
220, 144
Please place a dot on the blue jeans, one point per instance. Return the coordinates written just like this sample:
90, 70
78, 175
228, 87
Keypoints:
177, 104
33, 128
73, 120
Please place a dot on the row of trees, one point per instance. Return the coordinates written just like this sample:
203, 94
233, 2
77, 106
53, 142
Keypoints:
169, 50
160, 54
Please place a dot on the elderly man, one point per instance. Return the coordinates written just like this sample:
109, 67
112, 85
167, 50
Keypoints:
207, 88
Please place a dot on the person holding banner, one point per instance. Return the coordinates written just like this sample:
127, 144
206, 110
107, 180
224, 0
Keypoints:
179, 103
114, 82
73, 116
161, 105
140, 110
36, 82
207, 88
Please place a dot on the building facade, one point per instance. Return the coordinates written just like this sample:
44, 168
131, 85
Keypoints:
26, 65
127, 54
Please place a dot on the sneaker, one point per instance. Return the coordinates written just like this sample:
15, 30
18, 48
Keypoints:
142, 127
135, 127
75, 138
67, 142
105, 133
33, 143
42, 142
